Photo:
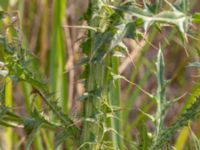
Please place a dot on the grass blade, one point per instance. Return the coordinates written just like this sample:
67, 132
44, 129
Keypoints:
57, 56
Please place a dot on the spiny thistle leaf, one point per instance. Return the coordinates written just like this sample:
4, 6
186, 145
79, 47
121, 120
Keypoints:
190, 114
31, 126
3, 111
160, 94
174, 17
65, 134
62, 136
33, 123
17, 68
53, 106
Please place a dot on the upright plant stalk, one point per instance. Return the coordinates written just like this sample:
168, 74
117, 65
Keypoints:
102, 42
8, 87
95, 80
91, 105
57, 56
8, 103
115, 101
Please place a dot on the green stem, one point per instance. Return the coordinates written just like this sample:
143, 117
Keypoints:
91, 107
8, 89
8, 103
115, 101
90, 133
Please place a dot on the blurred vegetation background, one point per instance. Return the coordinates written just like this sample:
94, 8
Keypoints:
50, 33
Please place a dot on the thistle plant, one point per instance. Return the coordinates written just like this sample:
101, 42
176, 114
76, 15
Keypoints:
100, 124
99, 55
17, 65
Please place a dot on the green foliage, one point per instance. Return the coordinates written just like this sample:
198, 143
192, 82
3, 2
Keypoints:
31, 126
100, 124
19, 66
175, 17
196, 17
190, 114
